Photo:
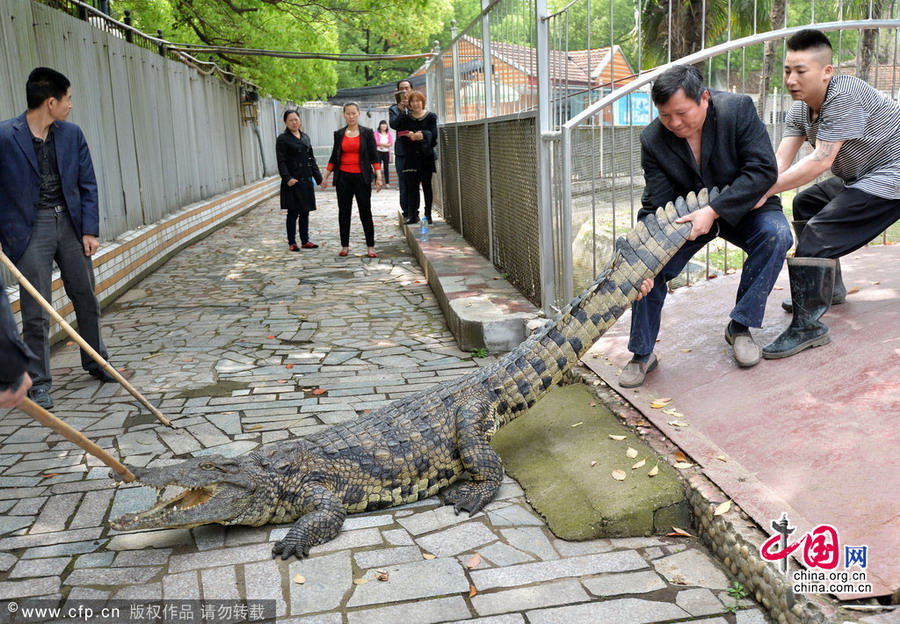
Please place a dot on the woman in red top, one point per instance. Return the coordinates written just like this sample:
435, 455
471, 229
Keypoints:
355, 163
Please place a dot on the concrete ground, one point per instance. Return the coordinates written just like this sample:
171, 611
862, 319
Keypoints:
815, 435
236, 338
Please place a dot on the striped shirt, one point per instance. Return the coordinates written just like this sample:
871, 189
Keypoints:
867, 122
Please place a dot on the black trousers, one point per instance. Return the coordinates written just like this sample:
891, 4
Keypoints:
840, 220
294, 217
348, 186
413, 179
385, 158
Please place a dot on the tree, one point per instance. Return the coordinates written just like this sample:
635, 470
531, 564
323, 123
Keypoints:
291, 25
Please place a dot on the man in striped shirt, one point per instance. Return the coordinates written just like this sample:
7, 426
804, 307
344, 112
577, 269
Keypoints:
855, 131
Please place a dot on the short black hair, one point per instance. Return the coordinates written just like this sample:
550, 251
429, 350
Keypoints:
44, 83
400, 82
289, 112
686, 77
809, 39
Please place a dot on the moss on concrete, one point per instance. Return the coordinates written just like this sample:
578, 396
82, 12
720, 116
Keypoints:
221, 388
551, 459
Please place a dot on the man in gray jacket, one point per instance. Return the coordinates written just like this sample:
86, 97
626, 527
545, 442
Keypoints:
704, 139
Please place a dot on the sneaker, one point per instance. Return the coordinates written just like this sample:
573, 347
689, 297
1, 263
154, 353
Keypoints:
746, 352
41, 396
309, 245
635, 371
294, 247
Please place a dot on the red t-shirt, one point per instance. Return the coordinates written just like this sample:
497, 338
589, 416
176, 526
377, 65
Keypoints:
350, 155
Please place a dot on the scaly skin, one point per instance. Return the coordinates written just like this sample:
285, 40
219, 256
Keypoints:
420, 444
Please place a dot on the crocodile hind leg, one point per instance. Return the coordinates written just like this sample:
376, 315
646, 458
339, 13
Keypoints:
475, 424
320, 524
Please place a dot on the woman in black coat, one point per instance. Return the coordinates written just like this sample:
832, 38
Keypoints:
355, 163
298, 168
418, 132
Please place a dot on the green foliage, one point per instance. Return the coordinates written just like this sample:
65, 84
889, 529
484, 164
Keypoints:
480, 352
323, 26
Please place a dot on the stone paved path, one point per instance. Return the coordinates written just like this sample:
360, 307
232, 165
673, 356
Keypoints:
236, 337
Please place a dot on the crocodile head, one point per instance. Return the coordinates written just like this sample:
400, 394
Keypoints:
211, 489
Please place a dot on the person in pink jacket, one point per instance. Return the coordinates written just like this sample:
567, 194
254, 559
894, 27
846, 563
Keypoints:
383, 142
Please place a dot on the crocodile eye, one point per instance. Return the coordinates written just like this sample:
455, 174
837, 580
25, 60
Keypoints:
208, 466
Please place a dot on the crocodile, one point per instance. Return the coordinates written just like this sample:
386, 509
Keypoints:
418, 445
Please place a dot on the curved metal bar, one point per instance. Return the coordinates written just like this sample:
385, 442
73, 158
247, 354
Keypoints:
728, 46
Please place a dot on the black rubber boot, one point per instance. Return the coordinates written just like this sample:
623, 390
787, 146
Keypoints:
840, 291
812, 283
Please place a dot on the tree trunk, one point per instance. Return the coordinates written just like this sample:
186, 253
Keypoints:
771, 60
868, 49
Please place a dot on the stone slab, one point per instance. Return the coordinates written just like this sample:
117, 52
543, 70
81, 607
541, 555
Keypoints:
561, 454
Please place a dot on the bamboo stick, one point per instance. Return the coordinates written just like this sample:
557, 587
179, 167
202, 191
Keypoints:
23, 281
73, 435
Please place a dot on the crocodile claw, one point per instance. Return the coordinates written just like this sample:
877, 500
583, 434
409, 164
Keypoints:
471, 497
289, 547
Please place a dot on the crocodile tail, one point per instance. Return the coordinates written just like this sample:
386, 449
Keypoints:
535, 366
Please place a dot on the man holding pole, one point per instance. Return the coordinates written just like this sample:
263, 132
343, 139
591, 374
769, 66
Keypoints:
49, 212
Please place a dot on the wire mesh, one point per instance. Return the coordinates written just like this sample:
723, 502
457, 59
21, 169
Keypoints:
473, 186
514, 203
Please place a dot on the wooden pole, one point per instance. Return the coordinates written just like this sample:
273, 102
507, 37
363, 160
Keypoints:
23, 281
72, 435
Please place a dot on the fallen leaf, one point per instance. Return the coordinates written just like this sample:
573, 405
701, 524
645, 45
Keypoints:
683, 465
686, 350
428, 556
778, 288
676, 532
593, 463
678, 423
270, 337
299, 579
382, 575
680, 456
653, 471
474, 561
619, 475
69, 343
289, 366
658, 403
722, 508
616, 437
721, 458
49, 474
640, 464
319, 391
253, 427
472, 591
632, 453
852, 290
578, 424
360, 581
874, 283
281, 381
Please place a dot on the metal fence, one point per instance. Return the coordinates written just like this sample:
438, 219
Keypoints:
580, 77
163, 134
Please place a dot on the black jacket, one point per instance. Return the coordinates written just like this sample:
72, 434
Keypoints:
420, 155
368, 153
735, 152
296, 160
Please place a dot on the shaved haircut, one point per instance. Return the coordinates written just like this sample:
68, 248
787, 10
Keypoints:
812, 40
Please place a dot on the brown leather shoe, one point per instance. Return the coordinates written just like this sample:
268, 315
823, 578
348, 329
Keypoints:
634, 372
746, 352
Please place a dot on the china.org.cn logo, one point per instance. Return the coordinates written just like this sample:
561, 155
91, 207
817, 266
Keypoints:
821, 555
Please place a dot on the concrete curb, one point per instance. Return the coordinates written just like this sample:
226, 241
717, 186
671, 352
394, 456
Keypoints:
482, 310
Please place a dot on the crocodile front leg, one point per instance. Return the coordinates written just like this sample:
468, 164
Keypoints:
320, 524
474, 426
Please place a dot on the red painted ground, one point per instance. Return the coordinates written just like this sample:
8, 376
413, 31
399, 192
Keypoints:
815, 435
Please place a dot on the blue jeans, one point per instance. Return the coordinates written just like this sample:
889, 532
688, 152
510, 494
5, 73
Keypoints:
765, 237
54, 238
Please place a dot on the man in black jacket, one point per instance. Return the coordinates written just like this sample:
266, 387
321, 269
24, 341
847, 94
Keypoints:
705, 139
396, 112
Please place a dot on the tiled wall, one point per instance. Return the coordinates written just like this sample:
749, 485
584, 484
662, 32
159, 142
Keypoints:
123, 261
